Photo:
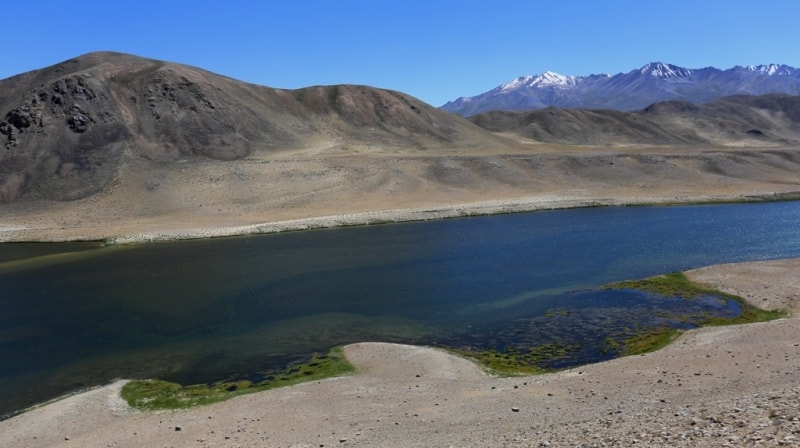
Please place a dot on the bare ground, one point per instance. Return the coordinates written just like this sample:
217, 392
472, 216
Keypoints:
716, 386
322, 188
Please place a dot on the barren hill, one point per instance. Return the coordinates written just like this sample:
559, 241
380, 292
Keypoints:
65, 129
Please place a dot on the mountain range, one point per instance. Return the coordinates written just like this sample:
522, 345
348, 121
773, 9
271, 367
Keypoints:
77, 128
637, 89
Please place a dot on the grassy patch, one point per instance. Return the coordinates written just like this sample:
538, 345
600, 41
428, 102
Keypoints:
634, 341
159, 395
514, 362
507, 363
648, 340
674, 284
677, 285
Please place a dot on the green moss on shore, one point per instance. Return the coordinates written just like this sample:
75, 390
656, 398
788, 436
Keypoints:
638, 341
649, 340
161, 395
513, 362
676, 284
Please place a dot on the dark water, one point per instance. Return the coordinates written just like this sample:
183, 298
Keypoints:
76, 315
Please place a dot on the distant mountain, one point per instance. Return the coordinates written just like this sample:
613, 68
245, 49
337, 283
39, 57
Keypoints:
743, 121
637, 89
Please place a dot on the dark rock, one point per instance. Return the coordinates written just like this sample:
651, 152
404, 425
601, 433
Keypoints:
78, 123
20, 118
7, 130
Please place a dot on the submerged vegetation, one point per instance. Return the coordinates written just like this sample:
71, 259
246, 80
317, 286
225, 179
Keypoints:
644, 341
618, 338
160, 395
676, 284
512, 362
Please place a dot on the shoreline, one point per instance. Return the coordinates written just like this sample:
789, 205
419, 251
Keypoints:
274, 193
719, 386
399, 215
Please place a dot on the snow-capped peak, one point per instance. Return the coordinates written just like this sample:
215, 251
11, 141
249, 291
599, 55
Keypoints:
546, 79
549, 78
665, 71
631, 90
516, 83
771, 69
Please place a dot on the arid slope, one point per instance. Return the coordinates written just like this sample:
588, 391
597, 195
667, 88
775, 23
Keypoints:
739, 121
110, 145
68, 130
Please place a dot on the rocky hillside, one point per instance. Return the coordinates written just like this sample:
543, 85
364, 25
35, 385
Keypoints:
65, 130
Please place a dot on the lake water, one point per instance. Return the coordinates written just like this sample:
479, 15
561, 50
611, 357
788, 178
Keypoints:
78, 314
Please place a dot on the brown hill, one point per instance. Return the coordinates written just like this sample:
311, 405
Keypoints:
770, 120
110, 145
65, 130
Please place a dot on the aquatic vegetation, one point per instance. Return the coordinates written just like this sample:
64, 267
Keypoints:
159, 395
648, 340
509, 363
676, 284
650, 314
514, 362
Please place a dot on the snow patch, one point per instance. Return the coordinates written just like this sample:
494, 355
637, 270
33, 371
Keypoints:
546, 79
771, 69
666, 71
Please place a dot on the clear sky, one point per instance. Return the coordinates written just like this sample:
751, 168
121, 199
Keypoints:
433, 50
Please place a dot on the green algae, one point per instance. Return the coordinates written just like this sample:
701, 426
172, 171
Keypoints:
163, 395
635, 340
676, 284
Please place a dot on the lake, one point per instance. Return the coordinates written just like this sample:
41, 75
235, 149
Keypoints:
76, 315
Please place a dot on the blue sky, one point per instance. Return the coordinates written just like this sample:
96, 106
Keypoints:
434, 50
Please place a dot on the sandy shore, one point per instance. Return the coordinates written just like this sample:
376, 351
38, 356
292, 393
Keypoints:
481, 208
270, 193
725, 386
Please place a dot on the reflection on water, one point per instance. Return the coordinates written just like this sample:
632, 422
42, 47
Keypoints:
76, 315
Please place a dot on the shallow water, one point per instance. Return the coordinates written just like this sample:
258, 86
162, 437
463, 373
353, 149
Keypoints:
76, 315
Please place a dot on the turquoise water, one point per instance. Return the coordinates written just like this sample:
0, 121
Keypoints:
77, 315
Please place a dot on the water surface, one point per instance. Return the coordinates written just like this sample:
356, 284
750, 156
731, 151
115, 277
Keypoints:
76, 314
